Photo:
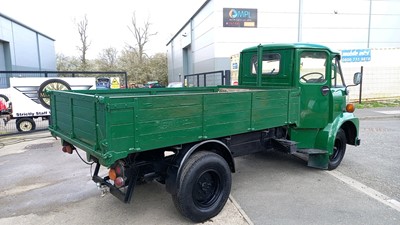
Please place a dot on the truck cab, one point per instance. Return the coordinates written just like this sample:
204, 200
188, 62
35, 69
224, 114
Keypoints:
318, 106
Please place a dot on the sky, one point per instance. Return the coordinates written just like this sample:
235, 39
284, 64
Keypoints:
108, 21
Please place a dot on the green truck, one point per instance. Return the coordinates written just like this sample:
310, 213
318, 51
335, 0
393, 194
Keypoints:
289, 97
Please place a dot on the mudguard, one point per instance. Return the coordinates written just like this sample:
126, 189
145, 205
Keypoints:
173, 172
325, 138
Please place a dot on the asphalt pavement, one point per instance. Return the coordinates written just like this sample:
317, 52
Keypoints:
378, 113
287, 181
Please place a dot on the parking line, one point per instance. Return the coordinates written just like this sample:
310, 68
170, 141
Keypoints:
394, 204
241, 211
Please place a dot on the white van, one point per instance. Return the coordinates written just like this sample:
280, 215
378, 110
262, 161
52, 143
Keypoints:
26, 98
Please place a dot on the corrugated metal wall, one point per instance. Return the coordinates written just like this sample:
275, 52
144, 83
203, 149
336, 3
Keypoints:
22, 48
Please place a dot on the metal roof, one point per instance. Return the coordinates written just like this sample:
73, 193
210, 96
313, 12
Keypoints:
21, 24
290, 46
197, 12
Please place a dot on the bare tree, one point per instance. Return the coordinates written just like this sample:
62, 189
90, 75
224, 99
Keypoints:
142, 36
107, 60
85, 43
67, 63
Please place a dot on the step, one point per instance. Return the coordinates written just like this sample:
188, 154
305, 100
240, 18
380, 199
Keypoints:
311, 151
284, 145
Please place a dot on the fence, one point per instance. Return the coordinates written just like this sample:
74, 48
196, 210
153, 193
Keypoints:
35, 120
6, 75
381, 75
213, 78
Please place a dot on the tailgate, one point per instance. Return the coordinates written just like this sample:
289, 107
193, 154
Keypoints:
79, 119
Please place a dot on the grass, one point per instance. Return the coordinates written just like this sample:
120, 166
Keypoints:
377, 103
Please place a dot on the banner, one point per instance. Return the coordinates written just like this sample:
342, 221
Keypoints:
238, 17
356, 55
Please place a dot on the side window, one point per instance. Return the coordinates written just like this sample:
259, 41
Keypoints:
313, 67
270, 64
337, 76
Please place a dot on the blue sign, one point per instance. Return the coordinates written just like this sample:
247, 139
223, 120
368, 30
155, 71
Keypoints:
356, 55
234, 66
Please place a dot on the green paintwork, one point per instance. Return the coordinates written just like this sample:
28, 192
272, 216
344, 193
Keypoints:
110, 128
111, 124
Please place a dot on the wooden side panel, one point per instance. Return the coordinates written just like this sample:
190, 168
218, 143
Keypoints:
168, 120
269, 109
226, 114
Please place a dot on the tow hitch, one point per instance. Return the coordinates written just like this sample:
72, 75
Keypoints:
106, 185
103, 188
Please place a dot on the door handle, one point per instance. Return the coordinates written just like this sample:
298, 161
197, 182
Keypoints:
325, 90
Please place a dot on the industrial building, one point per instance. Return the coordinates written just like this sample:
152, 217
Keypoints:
220, 29
23, 49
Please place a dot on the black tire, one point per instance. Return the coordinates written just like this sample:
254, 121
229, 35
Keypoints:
205, 185
51, 85
25, 124
339, 149
3, 98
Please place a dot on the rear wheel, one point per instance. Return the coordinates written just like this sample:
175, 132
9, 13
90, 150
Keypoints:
25, 124
339, 149
204, 186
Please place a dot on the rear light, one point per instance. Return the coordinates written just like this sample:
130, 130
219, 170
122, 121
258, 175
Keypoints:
350, 108
112, 174
68, 149
117, 174
118, 170
119, 182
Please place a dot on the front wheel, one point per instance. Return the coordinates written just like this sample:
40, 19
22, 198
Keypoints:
25, 124
339, 149
204, 186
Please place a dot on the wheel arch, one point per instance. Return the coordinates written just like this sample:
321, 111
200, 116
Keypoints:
325, 138
351, 132
215, 146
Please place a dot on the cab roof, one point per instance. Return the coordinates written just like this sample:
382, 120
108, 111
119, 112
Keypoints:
277, 46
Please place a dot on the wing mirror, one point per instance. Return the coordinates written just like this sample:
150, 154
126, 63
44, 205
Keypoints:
356, 81
357, 78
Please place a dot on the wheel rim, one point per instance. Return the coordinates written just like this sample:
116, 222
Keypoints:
207, 189
25, 126
55, 86
337, 151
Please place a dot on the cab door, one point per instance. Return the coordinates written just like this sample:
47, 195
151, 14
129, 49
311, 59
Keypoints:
314, 82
